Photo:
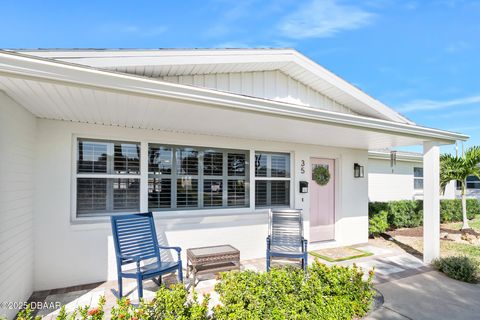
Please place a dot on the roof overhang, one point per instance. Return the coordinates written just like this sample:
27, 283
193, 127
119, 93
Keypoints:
168, 62
408, 157
63, 91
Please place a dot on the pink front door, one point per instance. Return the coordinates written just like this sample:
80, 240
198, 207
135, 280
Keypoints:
322, 203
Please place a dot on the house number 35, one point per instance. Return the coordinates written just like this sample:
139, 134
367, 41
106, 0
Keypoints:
302, 166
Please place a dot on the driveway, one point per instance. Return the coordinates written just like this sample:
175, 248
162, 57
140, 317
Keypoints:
428, 295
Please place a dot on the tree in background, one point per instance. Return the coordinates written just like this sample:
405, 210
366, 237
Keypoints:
459, 168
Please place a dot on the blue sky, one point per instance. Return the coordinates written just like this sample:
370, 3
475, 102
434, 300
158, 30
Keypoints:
422, 58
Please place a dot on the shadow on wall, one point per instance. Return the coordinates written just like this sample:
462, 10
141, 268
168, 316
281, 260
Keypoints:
164, 225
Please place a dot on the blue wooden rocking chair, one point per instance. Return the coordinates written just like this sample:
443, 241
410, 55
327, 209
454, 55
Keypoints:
285, 236
135, 241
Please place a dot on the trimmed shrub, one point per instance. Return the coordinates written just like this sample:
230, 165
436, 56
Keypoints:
375, 207
286, 293
378, 223
283, 293
405, 214
409, 213
460, 268
451, 210
473, 208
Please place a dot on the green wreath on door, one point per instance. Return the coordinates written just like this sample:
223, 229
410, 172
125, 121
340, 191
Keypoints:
321, 175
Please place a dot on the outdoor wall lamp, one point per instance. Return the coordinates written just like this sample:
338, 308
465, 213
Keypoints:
358, 171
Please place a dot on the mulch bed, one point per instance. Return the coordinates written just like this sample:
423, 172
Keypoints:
418, 231
407, 232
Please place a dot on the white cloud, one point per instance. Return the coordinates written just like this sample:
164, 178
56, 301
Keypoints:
229, 13
423, 105
324, 18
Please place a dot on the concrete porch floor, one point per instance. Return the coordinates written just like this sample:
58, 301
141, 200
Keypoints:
391, 263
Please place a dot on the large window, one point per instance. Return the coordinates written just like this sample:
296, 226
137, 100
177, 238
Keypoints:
272, 179
107, 177
418, 178
191, 177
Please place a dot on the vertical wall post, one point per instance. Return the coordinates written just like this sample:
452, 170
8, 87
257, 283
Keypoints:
431, 201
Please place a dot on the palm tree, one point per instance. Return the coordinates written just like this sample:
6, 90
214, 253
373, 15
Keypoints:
459, 168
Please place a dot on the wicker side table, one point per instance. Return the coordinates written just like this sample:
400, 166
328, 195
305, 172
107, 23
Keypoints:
213, 259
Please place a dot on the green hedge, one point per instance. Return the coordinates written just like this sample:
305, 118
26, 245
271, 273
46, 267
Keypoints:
378, 223
335, 292
409, 213
451, 210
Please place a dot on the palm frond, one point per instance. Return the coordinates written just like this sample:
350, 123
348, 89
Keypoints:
472, 157
451, 168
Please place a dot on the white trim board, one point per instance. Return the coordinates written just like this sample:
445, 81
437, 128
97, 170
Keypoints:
24, 67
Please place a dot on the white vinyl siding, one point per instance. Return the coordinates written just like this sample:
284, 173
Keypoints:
270, 84
387, 183
18, 149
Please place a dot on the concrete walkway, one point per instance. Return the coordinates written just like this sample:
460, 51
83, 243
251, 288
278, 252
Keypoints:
428, 295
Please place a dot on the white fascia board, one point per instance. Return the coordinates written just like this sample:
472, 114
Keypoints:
27, 67
129, 58
400, 157
126, 58
347, 87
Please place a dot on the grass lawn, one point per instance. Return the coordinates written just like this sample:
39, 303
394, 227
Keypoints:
412, 240
474, 224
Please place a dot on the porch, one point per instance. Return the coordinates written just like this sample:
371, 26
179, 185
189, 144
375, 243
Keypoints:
391, 263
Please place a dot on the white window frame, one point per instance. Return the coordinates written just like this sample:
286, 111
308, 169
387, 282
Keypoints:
76, 175
83, 222
417, 178
289, 179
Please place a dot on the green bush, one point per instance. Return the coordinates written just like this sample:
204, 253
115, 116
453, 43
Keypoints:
378, 223
451, 210
168, 304
460, 268
377, 206
405, 214
283, 293
326, 293
409, 213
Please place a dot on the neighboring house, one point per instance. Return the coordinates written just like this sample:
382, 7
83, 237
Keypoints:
473, 188
206, 139
398, 176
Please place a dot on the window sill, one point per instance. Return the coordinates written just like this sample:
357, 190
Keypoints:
103, 222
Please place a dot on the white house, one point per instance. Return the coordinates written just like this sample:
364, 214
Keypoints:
206, 139
398, 175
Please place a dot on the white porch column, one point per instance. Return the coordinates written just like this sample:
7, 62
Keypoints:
431, 201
